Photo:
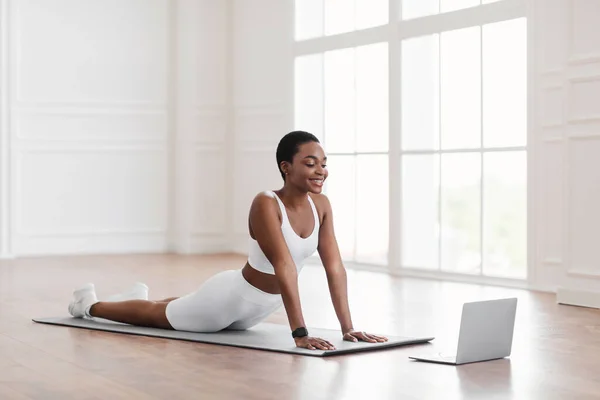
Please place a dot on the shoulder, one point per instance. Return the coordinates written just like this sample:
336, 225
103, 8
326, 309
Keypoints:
264, 203
321, 200
322, 204
264, 199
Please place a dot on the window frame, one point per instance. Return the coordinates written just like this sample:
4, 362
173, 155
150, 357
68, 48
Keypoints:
393, 33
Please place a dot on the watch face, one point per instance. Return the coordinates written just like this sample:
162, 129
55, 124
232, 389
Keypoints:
300, 332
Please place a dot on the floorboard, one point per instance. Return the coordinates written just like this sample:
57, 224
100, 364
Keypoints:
555, 350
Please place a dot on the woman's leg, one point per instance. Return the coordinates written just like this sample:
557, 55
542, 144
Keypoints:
134, 312
167, 300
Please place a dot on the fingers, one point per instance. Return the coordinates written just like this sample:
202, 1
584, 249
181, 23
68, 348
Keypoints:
318, 343
350, 338
380, 338
375, 338
367, 337
324, 344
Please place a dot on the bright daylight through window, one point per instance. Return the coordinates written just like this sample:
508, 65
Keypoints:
459, 94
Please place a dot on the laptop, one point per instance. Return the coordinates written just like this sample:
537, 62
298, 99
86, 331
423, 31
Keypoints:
486, 333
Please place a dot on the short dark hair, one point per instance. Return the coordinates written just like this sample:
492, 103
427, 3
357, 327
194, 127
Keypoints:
289, 146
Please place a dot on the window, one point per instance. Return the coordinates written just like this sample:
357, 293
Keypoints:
422, 8
464, 112
342, 97
317, 18
460, 139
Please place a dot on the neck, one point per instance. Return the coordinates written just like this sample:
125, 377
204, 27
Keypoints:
292, 197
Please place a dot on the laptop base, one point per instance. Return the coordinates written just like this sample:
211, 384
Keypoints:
436, 358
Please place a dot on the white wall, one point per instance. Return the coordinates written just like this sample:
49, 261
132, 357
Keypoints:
202, 166
114, 126
567, 158
262, 103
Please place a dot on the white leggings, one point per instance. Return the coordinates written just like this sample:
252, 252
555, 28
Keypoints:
224, 301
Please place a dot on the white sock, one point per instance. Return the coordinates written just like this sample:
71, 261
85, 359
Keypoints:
139, 291
83, 300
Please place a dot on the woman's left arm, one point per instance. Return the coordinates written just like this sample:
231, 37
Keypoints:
336, 275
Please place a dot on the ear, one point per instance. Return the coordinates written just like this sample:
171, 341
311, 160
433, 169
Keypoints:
285, 166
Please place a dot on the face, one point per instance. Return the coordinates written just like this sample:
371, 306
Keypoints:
308, 169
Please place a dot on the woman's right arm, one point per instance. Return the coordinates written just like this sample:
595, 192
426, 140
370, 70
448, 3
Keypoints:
266, 227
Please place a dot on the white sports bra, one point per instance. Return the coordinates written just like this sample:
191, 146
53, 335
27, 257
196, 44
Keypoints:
300, 248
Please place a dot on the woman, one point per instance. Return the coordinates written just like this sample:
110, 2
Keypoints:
286, 226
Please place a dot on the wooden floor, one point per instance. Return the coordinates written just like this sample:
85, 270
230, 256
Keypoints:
556, 350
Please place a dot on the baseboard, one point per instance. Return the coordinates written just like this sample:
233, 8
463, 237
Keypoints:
208, 244
581, 298
41, 246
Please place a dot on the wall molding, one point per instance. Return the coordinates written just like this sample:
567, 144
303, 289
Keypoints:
5, 145
133, 148
208, 147
242, 111
574, 58
581, 59
572, 81
559, 120
553, 261
555, 74
575, 297
553, 139
91, 232
585, 136
249, 147
207, 233
157, 132
214, 110
90, 104
583, 273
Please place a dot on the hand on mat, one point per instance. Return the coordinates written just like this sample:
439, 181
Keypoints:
313, 343
355, 336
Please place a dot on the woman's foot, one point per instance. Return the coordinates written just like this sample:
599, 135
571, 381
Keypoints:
83, 299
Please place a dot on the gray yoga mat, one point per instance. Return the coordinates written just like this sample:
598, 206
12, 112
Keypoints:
264, 336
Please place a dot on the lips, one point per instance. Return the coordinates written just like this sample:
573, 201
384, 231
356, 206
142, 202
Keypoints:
317, 181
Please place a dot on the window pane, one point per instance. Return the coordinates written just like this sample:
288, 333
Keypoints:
420, 202
505, 83
308, 94
372, 98
452, 5
461, 88
461, 217
372, 210
370, 13
308, 18
420, 93
339, 16
505, 214
339, 101
340, 188
419, 8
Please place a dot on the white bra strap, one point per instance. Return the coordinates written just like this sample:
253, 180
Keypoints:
315, 213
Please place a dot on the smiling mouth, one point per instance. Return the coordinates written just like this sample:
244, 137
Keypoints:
317, 181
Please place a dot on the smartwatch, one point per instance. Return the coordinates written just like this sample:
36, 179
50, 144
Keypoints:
300, 332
